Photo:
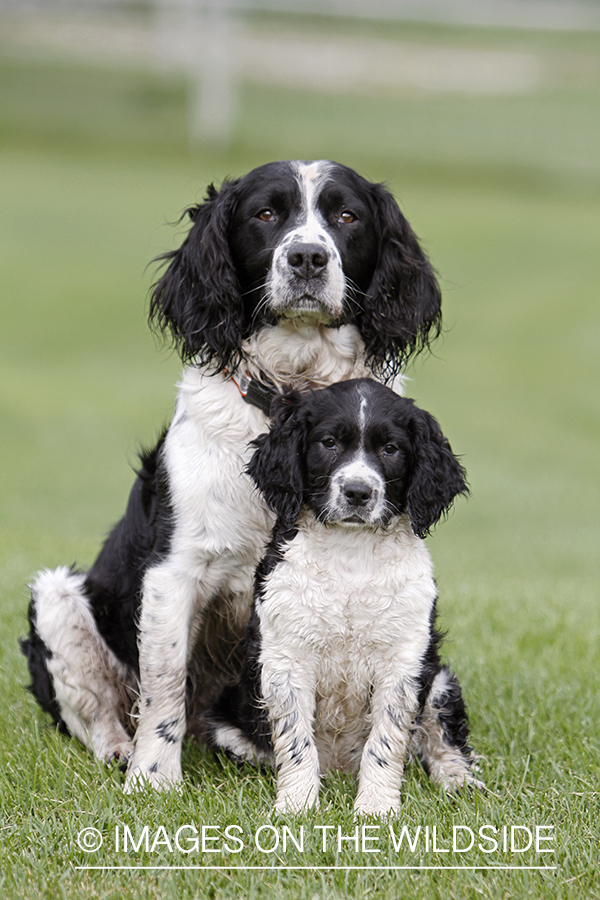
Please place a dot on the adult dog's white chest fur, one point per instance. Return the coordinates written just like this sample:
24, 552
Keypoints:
345, 607
207, 446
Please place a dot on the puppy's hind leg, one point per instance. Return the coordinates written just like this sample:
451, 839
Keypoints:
75, 676
440, 735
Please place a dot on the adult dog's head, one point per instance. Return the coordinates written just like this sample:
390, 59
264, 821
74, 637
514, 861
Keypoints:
298, 239
356, 453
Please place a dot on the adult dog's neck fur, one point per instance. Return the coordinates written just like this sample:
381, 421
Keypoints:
302, 354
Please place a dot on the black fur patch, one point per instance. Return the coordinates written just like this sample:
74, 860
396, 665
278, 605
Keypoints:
38, 655
163, 730
378, 759
241, 704
139, 540
452, 713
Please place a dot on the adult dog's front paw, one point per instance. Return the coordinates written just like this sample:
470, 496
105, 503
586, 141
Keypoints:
120, 754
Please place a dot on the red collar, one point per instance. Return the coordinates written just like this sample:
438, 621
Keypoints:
259, 393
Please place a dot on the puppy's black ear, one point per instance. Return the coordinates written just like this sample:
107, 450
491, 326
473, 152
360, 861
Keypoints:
401, 312
197, 299
437, 477
276, 466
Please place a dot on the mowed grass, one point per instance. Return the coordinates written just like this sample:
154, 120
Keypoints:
87, 195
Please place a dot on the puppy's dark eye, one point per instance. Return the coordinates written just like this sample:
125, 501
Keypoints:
329, 443
346, 217
266, 215
389, 450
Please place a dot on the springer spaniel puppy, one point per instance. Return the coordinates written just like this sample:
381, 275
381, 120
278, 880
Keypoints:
298, 275
342, 668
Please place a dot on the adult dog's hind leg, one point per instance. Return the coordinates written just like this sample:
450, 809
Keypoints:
75, 675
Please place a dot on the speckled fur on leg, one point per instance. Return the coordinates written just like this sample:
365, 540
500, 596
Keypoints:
75, 676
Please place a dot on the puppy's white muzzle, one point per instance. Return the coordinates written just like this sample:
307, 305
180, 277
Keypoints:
356, 494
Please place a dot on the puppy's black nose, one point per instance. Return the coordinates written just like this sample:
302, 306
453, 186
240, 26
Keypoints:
357, 493
307, 260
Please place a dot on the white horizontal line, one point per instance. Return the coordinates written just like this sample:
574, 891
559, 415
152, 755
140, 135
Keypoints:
322, 868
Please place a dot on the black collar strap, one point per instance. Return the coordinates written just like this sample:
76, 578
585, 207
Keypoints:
258, 393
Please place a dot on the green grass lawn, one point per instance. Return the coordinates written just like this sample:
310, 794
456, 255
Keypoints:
94, 166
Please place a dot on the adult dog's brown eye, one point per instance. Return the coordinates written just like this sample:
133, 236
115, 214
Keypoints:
346, 217
390, 449
329, 443
266, 215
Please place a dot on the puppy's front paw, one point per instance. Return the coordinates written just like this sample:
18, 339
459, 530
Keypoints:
297, 801
141, 779
372, 802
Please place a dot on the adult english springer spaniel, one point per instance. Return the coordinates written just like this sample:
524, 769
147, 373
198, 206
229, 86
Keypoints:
342, 667
296, 276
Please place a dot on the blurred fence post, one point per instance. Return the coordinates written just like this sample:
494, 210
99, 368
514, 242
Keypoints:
202, 34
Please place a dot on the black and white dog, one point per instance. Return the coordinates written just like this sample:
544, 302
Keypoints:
342, 667
298, 275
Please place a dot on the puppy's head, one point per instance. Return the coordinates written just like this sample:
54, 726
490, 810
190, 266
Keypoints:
356, 454
297, 239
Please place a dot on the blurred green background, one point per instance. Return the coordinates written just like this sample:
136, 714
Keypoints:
502, 184
503, 187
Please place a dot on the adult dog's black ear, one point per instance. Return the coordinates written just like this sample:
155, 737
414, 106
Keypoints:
197, 300
276, 465
401, 312
436, 478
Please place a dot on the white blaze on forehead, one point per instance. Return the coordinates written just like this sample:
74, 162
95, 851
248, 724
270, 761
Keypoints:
311, 178
362, 416
309, 227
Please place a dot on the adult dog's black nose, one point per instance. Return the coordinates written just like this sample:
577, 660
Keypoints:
357, 493
307, 260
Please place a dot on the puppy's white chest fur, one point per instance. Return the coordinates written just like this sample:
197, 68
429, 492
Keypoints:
348, 606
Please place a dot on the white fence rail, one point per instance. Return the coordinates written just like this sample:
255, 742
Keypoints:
205, 38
